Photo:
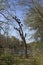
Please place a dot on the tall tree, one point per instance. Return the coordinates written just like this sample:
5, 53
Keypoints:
35, 19
20, 30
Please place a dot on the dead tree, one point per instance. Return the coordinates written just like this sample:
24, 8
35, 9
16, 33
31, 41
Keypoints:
20, 30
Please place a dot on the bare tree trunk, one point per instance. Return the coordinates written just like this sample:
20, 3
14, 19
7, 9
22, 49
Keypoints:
25, 50
25, 47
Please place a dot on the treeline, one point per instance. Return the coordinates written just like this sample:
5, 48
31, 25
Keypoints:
10, 44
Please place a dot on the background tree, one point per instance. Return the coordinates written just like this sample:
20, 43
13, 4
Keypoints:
20, 30
35, 19
3, 4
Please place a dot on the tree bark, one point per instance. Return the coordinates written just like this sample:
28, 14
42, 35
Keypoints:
25, 47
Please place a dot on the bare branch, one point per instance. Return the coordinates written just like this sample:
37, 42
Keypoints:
37, 9
16, 29
1, 28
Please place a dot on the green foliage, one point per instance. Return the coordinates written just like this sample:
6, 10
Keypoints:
0, 0
6, 59
9, 42
3, 6
35, 20
36, 61
12, 59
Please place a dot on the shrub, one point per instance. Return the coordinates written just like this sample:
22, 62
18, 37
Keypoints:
6, 60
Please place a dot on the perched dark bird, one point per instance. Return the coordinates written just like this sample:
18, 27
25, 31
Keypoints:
13, 17
21, 24
18, 20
